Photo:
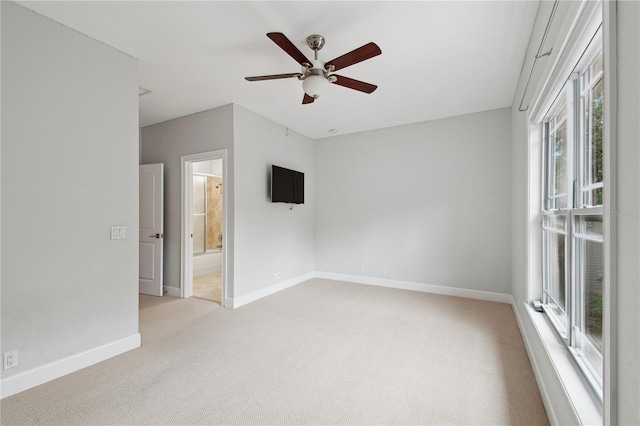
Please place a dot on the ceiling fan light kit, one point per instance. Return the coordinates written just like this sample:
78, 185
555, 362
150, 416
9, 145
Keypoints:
316, 75
315, 85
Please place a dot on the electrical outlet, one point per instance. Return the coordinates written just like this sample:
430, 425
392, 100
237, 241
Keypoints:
276, 276
10, 359
362, 269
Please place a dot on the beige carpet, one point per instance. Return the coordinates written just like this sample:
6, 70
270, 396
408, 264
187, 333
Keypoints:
208, 287
322, 352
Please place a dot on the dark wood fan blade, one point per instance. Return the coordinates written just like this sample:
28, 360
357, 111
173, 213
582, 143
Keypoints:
273, 77
286, 45
354, 84
307, 99
363, 53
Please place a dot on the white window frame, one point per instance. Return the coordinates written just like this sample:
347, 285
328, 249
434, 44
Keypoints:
590, 56
550, 201
561, 324
582, 19
587, 356
581, 346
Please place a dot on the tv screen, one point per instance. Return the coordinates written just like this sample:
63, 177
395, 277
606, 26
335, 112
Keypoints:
287, 186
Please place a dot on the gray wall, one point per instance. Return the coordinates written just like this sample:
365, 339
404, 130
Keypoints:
166, 143
628, 207
429, 202
263, 237
269, 237
519, 205
69, 172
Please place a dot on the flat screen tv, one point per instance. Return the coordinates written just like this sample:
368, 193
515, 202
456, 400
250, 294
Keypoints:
287, 186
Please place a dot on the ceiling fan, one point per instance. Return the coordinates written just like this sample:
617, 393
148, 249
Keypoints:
316, 75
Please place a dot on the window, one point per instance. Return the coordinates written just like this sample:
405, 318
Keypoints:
572, 235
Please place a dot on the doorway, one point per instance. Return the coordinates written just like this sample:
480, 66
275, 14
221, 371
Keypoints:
204, 219
207, 229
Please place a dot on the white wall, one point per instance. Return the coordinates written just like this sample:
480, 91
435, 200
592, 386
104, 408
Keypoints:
429, 202
269, 237
70, 112
209, 167
166, 143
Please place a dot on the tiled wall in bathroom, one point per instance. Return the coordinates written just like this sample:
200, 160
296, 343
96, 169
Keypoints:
214, 212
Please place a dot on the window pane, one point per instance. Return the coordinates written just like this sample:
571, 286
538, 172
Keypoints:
198, 234
560, 164
199, 195
596, 197
597, 97
593, 276
590, 226
589, 278
592, 155
558, 222
555, 266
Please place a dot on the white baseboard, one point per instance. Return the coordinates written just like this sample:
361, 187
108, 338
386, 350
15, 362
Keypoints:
259, 294
172, 291
382, 282
425, 288
39, 375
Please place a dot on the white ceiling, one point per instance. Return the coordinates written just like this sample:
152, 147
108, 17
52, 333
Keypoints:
439, 59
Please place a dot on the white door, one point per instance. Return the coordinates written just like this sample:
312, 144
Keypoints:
151, 228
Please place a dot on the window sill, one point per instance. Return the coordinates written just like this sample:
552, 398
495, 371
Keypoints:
585, 402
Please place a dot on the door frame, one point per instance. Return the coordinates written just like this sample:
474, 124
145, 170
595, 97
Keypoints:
186, 220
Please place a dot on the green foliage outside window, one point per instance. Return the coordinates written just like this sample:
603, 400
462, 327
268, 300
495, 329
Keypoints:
596, 133
594, 315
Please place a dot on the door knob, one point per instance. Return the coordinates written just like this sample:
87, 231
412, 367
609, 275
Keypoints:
157, 236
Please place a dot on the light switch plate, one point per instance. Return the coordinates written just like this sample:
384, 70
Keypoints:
118, 232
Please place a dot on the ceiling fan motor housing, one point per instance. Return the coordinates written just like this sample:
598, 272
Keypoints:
315, 42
